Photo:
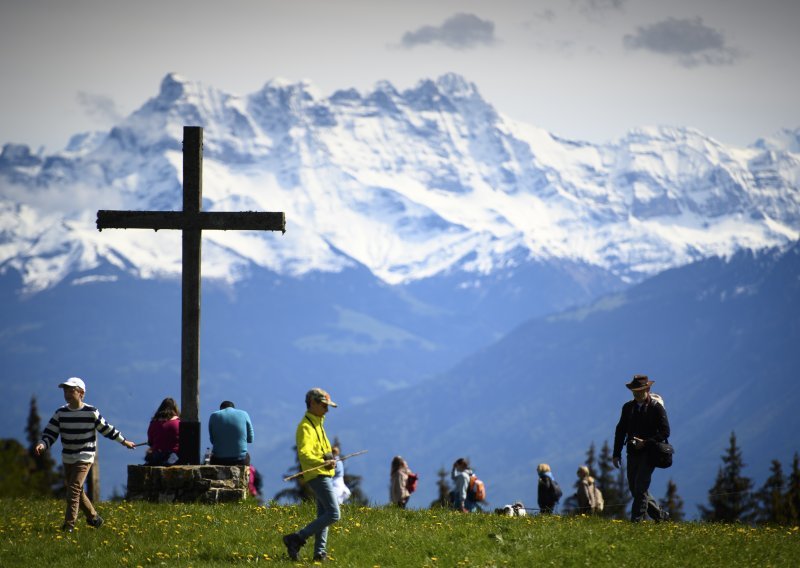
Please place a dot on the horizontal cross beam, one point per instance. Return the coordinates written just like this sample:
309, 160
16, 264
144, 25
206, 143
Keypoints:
222, 221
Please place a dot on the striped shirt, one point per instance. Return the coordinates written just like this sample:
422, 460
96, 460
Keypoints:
78, 430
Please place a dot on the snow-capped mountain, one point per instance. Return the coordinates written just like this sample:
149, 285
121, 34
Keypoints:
412, 185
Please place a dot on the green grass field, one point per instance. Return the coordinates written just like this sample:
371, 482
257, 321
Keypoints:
143, 534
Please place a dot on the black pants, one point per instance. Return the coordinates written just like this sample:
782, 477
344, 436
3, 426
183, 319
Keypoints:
231, 461
639, 474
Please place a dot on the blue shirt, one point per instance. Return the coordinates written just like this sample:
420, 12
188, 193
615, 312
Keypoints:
230, 431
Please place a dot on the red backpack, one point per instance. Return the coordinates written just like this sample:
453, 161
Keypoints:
411, 482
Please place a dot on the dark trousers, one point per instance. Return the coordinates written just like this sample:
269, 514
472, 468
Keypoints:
230, 461
639, 474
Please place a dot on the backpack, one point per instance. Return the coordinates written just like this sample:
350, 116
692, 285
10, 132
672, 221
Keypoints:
476, 490
598, 498
657, 398
557, 493
411, 482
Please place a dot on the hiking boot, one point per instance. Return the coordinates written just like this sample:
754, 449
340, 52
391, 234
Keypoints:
294, 542
320, 557
66, 528
97, 522
664, 517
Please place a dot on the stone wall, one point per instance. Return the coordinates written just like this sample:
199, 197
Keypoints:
188, 483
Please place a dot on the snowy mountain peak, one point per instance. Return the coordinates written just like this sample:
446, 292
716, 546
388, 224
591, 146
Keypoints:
785, 140
173, 87
411, 185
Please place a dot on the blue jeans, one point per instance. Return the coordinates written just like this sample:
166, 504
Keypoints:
639, 474
327, 513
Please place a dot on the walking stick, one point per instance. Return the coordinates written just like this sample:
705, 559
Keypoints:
140, 444
354, 454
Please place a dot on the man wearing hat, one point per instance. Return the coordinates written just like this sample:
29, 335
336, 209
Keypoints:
643, 422
78, 423
317, 461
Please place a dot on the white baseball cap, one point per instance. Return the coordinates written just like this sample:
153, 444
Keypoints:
73, 382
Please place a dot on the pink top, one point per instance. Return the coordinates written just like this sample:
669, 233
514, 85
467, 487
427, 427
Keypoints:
163, 435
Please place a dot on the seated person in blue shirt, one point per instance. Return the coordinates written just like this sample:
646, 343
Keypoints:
230, 431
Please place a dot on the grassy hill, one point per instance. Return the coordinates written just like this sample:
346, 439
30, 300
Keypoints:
143, 534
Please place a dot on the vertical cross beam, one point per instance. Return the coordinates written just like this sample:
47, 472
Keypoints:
190, 296
192, 221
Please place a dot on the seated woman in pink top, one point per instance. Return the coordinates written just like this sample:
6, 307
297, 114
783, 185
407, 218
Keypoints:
163, 434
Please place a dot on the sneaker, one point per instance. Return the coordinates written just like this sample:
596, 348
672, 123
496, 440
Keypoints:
294, 542
97, 522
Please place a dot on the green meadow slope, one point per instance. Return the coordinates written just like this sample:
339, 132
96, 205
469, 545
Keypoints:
142, 534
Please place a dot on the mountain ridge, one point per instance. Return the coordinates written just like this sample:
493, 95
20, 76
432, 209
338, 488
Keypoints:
413, 184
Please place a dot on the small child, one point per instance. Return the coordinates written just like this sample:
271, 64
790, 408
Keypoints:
77, 423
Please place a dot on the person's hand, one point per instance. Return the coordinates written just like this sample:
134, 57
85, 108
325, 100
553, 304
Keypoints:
39, 449
615, 460
330, 463
128, 444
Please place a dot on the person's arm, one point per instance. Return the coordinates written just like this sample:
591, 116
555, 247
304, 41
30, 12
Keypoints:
583, 495
461, 489
250, 432
589, 489
619, 436
49, 436
211, 421
107, 430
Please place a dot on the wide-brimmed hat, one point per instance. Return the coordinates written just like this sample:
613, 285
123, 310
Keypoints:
639, 382
320, 396
73, 382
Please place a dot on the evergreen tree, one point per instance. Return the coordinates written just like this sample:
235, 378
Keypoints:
443, 499
770, 499
672, 502
357, 495
299, 491
613, 487
46, 480
792, 499
730, 499
16, 470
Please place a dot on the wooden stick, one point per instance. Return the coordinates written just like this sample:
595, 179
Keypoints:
324, 465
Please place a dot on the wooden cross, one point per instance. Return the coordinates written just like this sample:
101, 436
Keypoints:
192, 221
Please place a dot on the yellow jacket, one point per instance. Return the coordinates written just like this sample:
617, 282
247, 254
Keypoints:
312, 445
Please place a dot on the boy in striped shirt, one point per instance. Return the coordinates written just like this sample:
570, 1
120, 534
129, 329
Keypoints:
77, 423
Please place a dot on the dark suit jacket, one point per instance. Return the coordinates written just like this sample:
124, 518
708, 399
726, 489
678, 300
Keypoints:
650, 424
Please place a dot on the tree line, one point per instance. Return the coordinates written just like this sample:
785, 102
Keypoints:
732, 497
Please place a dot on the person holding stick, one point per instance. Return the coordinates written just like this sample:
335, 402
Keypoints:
78, 423
318, 466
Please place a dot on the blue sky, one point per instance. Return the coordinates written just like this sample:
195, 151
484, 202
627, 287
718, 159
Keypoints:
582, 69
